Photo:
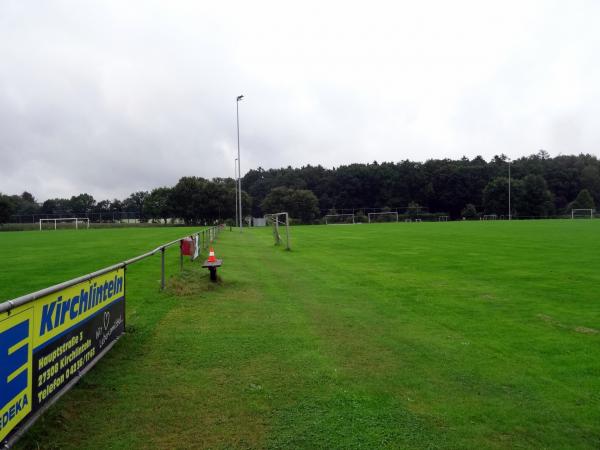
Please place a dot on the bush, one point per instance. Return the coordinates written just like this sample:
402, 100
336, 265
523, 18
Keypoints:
469, 211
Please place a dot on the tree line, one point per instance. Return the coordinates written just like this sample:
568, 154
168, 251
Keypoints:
194, 200
541, 186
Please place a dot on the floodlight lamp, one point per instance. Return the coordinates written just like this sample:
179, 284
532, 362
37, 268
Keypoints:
240, 97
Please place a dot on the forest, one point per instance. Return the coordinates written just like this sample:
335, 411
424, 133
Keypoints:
540, 186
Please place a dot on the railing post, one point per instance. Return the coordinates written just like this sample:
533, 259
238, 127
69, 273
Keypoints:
287, 230
181, 255
162, 267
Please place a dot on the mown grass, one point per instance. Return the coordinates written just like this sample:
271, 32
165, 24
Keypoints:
429, 335
33, 260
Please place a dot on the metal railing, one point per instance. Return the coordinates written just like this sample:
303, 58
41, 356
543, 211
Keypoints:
206, 237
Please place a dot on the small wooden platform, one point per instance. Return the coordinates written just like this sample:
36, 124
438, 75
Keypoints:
212, 267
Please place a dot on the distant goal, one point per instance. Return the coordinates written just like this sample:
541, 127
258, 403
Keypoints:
68, 222
339, 219
582, 214
277, 222
388, 216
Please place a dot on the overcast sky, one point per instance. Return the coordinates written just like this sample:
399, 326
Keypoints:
111, 97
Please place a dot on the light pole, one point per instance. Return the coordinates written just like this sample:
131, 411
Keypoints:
509, 208
236, 192
237, 115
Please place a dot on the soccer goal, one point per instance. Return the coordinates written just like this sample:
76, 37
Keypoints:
442, 218
65, 220
339, 219
582, 214
490, 217
388, 216
277, 221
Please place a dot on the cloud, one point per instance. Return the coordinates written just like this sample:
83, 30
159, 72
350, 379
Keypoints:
112, 97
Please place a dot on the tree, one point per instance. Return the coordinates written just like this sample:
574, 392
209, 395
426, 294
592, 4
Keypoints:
590, 180
299, 203
305, 205
102, 206
82, 203
157, 204
7, 208
536, 199
187, 199
24, 204
277, 200
27, 197
584, 200
495, 196
135, 203
469, 211
56, 206
116, 205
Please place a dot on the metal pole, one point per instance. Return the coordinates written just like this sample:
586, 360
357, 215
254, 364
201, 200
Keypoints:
181, 255
287, 230
236, 191
162, 268
237, 114
509, 208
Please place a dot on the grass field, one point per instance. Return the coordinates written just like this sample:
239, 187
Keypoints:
429, 335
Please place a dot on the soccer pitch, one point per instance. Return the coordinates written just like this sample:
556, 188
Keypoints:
399, 335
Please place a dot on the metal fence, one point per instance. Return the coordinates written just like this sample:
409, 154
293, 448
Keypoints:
206, 237
69, 378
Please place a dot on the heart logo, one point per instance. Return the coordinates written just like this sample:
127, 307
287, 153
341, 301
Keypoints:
106, 319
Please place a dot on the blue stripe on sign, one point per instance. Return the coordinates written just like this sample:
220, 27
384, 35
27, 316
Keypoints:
78, 324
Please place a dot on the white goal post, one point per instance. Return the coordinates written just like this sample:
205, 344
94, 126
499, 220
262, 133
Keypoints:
490, 217
582, 214
66, 219
387, 213
276, 220
329, 217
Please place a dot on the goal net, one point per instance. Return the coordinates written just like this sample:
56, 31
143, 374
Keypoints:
339, 219
490, 217
390, 216
280, 224
64, 222
582, 214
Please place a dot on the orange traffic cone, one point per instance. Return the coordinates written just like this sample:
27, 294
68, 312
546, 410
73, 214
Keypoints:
211, 256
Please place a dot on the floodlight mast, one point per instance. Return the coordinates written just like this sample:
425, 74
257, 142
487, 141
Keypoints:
237, 113
236, 192
509, 209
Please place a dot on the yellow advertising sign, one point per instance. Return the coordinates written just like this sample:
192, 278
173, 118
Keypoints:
48, 341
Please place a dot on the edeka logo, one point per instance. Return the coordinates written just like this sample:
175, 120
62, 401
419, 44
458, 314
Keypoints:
15, 369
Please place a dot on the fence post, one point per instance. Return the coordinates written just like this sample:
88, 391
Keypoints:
181, 255
287, 230
162, 266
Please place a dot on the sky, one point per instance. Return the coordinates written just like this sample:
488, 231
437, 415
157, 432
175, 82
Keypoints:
111, 97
